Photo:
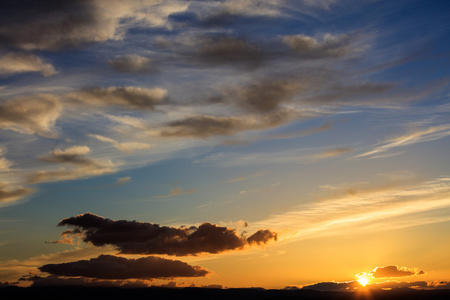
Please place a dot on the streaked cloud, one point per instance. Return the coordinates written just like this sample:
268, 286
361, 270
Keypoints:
415, 136
327, 45
365, 210
128, 97
17, 62
76, 155
335, 152
125, 147
177, 192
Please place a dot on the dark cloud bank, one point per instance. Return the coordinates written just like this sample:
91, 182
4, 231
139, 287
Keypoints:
113, 267
132, 237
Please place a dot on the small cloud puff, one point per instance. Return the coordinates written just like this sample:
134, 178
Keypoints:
394, 271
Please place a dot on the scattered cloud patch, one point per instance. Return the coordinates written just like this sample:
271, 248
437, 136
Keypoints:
394, 271
31, 115
17, 62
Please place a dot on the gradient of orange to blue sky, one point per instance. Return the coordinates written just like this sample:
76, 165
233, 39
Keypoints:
230, 143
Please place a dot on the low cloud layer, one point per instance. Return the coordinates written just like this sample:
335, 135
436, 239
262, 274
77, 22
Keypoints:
113, 267
394, 271
131, 237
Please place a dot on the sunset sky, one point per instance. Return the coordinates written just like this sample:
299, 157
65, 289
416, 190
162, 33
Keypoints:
230, 143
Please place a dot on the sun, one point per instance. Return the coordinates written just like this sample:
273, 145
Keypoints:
363, 281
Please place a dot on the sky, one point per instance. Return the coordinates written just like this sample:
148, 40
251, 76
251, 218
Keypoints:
230, 143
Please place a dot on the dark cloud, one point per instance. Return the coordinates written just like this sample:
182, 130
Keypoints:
396, 284
229, 50
82, 282
131, 237
332, 286
28, 24
266, 95
31, 115
128, 97
114, 267
261, 237
206, 126
131, 63
394, 271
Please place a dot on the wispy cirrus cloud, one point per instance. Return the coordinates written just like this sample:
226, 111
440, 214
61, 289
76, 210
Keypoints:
403, 206
125, 147
415, 136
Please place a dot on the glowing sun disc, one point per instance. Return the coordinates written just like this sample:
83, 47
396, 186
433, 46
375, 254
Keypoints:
363, 281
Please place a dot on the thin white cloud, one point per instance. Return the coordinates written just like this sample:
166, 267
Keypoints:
125, 146
416, 136
365, 211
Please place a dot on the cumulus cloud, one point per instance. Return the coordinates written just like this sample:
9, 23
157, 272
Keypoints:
327, 46
31, 115
28, 25
128, 97
125, 147
131, 63
131, 237
114, 267
15, 62
394, 271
